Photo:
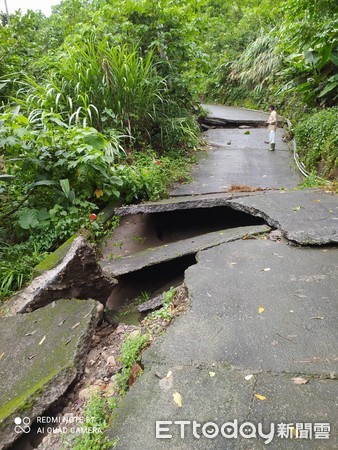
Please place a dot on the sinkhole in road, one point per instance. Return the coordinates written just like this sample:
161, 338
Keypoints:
172, 226
152, 280
138, 232
145, 232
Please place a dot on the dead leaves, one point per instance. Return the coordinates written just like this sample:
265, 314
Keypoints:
299, 380
178, 399
31, 333
136, 369
260, 397
166, 385
261, 309
98, 193
248, 377
248, 236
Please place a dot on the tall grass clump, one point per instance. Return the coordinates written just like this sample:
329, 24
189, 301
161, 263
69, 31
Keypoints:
103, 86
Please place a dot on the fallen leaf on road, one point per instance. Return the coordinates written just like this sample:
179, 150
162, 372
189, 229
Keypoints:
316, 201
42, 340
212, 374
135, 370
267, 269
178, 399
31, 333
300, 380
248, 236
297, 208
169, 374
248, 377
260, 397
261, 309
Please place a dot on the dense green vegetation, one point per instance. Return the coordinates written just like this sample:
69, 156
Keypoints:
99, 100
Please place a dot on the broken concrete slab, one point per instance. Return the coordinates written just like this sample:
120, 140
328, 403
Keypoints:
155, 303
134, 233
217, 395
54, 258
176, 203
168, 252
42, 355
307, 216
158, 301
296, 331
218, 115
77, 276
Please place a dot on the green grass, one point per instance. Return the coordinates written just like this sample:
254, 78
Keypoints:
96, 415
164, 312
317, 142
130, 352
17, 264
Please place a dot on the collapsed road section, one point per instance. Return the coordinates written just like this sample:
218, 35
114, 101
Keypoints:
261, 307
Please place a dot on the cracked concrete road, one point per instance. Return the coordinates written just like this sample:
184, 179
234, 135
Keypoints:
225, 333
259, 309
306, 216
240, 156
231, 113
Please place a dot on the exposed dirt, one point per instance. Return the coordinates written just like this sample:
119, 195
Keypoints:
242, 188
101, 366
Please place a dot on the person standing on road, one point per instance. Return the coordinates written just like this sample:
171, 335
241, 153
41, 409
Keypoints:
272, 127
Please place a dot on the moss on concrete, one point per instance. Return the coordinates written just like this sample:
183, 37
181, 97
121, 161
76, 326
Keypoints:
42, 352
53, 259
26, 400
